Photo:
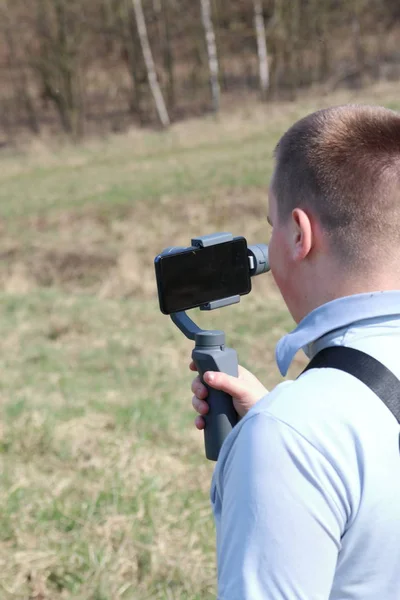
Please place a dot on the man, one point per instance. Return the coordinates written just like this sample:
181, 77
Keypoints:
306, 492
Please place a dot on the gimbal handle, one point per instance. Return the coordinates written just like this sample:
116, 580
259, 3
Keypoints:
210, 354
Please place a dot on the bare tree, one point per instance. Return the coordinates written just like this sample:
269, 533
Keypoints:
131, 54
359, 7
323, 34
293, 45
261, 48
148, 59
23, 98
167, 51
57, 65
211, 53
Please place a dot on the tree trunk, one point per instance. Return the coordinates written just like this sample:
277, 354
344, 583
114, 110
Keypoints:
149, 62
58, 64
131, 52
19, 77
220, 17
295, 54
211, 53
323, 35
168, 56
261, 48
359, 53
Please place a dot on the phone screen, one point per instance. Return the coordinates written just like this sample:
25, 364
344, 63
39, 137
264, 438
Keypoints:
196, 276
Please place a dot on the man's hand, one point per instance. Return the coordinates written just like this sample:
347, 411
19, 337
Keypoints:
245, 390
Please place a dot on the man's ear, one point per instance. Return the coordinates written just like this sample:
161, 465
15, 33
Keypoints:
302, 241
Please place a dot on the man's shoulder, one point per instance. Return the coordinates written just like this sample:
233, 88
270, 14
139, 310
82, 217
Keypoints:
303, 421
318, 392
323, 393
328, 408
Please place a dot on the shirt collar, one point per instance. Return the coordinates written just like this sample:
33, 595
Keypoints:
335, 315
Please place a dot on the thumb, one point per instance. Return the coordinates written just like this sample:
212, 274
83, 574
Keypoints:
226, 383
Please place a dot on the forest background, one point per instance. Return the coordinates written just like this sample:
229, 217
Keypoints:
104, 65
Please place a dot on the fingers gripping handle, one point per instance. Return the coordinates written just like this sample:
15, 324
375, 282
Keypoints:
222, 416
219, 422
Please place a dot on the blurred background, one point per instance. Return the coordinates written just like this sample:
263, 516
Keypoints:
127, 126
84, 67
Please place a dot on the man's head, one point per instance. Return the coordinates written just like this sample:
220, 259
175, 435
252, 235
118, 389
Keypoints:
335, 206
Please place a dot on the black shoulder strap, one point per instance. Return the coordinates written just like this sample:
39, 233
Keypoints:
366, 368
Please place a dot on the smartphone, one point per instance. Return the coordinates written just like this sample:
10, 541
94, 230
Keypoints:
191, 277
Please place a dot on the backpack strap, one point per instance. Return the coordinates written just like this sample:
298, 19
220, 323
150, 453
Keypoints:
366, 368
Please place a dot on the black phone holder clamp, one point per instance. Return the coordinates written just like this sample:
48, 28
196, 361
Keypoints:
210, 353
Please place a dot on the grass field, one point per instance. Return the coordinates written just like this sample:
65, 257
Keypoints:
104, 489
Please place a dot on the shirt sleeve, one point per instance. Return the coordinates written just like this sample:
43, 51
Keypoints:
281, 517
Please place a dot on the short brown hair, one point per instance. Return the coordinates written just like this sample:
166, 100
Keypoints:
343, 164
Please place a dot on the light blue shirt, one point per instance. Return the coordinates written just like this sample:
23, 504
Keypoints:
306, 491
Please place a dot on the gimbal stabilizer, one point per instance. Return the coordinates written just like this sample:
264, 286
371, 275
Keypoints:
210, 353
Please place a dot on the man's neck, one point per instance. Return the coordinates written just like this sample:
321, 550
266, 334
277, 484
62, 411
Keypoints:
337, 283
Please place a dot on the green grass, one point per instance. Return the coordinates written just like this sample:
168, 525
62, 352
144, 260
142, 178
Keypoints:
104, 488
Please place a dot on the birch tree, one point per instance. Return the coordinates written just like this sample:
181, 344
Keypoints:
211, 53
149, 62
261, 48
